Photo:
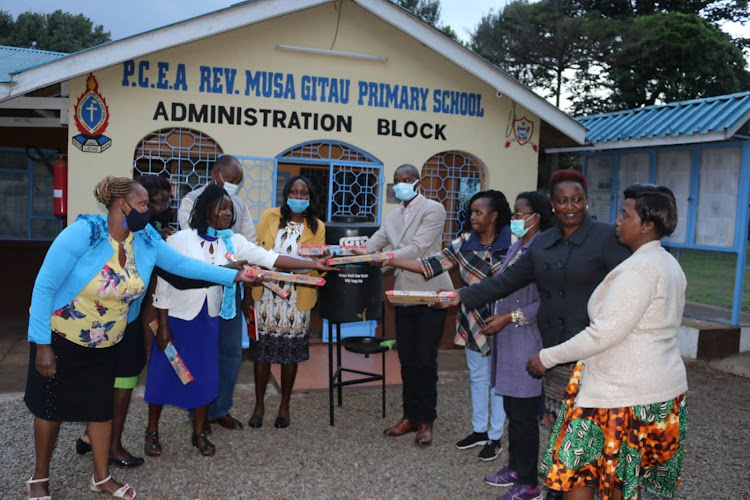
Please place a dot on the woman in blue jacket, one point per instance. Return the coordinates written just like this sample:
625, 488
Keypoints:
91, 284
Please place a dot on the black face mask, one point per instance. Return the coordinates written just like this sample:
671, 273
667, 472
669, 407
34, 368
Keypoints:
136, 220
162, 220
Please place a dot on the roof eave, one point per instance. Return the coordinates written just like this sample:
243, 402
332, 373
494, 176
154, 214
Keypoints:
103, 56
648, 143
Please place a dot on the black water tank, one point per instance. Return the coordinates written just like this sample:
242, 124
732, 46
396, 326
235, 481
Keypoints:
355, 293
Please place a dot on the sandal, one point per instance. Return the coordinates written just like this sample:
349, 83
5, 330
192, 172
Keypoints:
207, 449
153, 449
34, 481
120, 493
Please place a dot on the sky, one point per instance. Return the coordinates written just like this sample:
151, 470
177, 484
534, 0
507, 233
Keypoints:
136, 16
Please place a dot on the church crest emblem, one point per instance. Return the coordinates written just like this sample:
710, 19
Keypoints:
91, 115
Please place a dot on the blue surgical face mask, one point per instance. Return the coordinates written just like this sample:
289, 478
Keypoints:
517, 226
297, 206
405, 191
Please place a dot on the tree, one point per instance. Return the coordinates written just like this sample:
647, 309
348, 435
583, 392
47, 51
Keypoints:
674, 57
58, 32
615, 54
427, 10
536, 43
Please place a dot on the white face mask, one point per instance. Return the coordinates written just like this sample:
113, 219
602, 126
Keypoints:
230, 188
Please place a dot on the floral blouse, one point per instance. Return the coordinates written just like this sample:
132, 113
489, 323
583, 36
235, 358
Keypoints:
98, 315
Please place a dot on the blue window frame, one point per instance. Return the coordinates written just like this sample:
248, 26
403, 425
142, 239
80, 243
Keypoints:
26, 204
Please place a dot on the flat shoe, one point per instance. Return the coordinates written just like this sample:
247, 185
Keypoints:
130, 462
256, 422
228, 422
82, 447
281, 422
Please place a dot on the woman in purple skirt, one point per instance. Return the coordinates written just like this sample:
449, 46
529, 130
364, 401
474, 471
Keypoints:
515, 337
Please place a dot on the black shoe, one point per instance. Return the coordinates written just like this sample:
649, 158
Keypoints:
256, 422
472, 440
491, 450
131, 462
82, 447
281, 422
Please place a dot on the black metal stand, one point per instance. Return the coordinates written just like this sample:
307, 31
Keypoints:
335, 378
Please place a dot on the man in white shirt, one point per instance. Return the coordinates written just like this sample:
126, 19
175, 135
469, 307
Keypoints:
227, 173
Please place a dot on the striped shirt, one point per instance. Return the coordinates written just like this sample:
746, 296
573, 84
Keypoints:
474, 266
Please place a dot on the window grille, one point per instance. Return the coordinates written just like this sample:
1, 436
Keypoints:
349, 179
183, 155
452, 178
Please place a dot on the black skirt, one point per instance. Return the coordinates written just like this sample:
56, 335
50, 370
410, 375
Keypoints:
132, 357
82, 388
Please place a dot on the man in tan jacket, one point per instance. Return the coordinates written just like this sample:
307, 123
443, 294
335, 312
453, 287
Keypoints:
414, 231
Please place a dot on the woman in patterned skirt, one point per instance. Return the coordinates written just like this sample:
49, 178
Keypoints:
282, 324
622, 423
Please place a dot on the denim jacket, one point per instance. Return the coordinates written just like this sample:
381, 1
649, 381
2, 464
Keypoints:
80, 251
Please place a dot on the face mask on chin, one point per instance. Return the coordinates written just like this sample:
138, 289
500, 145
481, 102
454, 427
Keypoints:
230, 188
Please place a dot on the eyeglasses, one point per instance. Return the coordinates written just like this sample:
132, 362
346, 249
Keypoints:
517, 214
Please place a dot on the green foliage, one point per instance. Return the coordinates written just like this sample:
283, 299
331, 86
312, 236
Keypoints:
614, 54
672, 57
427, 10
58, 32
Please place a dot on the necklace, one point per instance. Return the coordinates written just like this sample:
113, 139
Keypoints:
488, 245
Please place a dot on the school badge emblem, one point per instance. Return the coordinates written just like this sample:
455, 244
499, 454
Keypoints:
523, 129
91, 117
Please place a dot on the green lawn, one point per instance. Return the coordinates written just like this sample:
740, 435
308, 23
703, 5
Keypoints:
710, 277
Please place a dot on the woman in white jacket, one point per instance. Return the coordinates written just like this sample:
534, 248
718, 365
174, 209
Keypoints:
190, 318
623, 421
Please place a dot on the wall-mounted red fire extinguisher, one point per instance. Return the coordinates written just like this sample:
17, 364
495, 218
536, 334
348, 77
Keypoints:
60, 186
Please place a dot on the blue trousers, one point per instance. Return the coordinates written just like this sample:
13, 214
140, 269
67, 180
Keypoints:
230, 359
484, 402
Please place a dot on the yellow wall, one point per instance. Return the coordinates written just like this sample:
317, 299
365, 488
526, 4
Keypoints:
410, 63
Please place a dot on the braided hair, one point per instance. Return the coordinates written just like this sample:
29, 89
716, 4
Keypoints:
311, 214
498, 203
111, 188
209, 198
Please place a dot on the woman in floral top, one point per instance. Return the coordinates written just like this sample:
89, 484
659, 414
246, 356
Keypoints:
89, 287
